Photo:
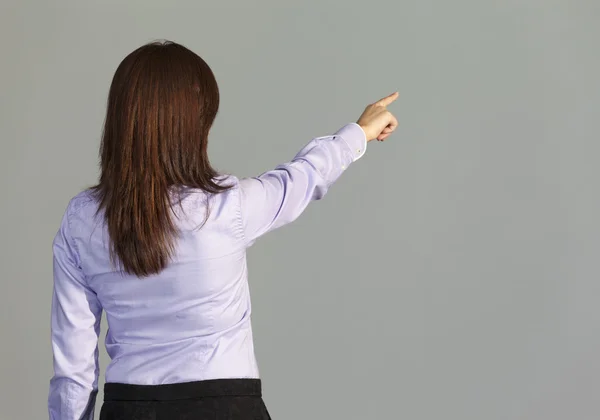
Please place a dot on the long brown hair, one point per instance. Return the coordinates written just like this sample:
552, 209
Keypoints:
162, 103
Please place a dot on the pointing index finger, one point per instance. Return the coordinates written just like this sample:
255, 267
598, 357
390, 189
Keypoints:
388, 99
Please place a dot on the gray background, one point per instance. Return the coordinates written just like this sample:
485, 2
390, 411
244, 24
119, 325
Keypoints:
452, 273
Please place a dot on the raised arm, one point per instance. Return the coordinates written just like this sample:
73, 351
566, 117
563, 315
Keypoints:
279, 196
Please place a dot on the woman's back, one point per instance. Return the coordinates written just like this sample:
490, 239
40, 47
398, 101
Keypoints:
192, 320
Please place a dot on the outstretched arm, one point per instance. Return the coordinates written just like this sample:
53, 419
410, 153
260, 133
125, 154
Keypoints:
279, 196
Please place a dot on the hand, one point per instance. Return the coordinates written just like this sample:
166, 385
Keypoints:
376, 121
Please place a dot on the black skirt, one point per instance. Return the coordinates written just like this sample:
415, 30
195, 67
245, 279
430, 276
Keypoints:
215, 399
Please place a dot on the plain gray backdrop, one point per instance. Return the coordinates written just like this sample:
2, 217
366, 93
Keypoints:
451, 273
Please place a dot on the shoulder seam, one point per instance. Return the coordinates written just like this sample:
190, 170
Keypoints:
240, 216
74, 204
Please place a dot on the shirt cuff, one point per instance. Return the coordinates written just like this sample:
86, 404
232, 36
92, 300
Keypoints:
355, 138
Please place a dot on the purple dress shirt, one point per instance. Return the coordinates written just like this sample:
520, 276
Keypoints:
192, 321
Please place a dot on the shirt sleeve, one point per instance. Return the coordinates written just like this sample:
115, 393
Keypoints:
75, 326
279, 196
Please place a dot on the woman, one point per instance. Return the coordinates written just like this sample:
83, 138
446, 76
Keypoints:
160, 245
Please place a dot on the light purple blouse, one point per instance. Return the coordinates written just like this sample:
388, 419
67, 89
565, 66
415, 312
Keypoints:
192, 321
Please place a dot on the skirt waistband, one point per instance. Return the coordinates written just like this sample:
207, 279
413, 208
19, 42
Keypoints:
183, 391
